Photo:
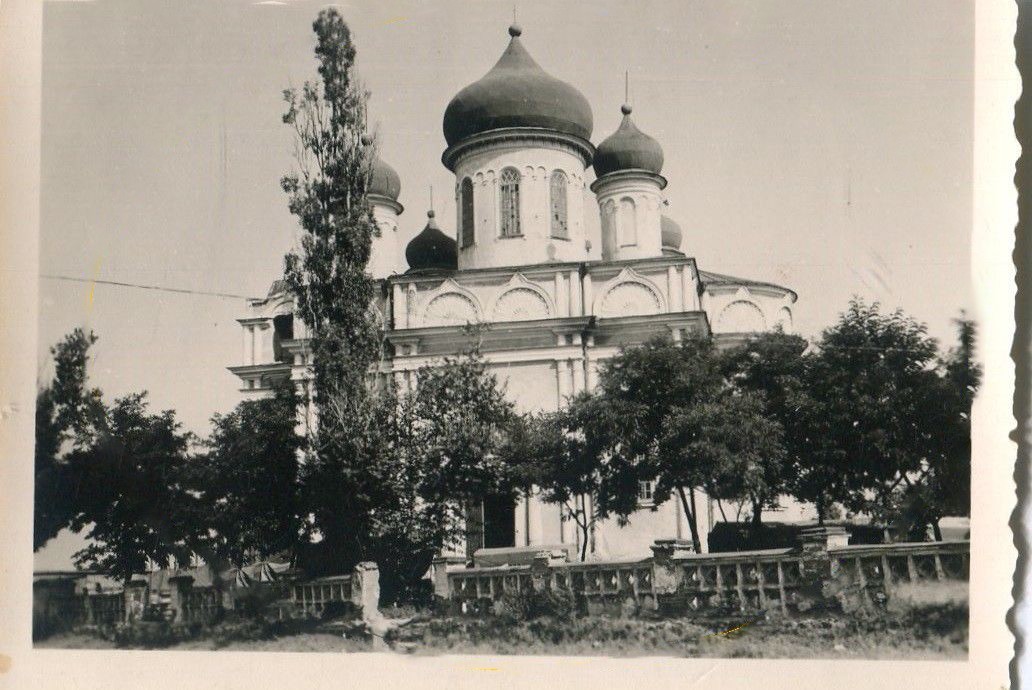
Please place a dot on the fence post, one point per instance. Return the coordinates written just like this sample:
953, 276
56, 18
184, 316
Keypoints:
818, 588
136, 595
439, 578
179, 592
666, 573
541, 568
365, 588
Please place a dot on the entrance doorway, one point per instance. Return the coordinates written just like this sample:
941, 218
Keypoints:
499, 522
490, 523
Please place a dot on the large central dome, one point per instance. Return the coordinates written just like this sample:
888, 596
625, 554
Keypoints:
517, 93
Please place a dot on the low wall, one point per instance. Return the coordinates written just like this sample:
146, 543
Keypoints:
822, 571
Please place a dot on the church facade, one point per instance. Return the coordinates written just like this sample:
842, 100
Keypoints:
562, 254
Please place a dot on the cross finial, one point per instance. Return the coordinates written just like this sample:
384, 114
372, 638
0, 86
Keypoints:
626, 87
431, 198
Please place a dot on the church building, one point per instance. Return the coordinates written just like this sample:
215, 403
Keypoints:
561, 250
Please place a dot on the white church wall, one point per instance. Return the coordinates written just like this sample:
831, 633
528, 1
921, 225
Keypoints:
535, 165
744, 309
386, 257
630, 207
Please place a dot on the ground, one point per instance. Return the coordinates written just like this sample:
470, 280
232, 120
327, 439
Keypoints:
928, 624
923, 623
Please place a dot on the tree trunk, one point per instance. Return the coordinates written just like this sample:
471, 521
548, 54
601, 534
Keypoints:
819, 504
936, 530
689, 512
720, 507
756, 523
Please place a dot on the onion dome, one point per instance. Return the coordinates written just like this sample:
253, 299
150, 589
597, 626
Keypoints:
384, 180
517, 93
431, 249
628, 148
670, 233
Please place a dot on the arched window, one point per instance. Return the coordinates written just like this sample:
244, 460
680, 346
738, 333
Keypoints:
558, 193
627, 223
466, 214
510, 203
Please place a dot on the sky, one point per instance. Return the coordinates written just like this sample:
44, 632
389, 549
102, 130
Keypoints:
824, 146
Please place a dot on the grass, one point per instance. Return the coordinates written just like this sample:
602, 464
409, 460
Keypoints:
921, 622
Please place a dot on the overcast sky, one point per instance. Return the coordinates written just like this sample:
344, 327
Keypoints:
823, 145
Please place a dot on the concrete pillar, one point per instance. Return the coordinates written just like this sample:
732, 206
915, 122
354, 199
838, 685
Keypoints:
817, 589
562, 303
592, 374
576, 307
365, 589
578, 375
533, 520
667, 573
562, 373
673, 290
688, 291
439, 578
136, 595
520, 531
589, 295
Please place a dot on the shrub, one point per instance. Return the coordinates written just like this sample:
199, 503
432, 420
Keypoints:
529, 605
150, 634
240, 630
339, 609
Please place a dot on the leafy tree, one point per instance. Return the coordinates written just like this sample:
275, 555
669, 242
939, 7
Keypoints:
623, 423
67, 413
248, 480
771, 366
424, 456
327, 194
130, 493
567, 456
729, 446
943, 486
333, 293
869, 412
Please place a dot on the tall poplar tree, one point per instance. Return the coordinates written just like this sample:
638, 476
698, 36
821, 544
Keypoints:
332, 291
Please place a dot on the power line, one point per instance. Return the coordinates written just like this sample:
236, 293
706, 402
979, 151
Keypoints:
139, 286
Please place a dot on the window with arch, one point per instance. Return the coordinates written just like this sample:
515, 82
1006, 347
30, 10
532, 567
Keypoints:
510, 203
466, 222
627, 223
557, 188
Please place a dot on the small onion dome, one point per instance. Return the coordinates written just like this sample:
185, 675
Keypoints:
383, 180
628, 148
431, 249
517, 93
670, 233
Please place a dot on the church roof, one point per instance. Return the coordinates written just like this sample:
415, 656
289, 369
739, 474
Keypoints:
516, 92
628, 148
710, 278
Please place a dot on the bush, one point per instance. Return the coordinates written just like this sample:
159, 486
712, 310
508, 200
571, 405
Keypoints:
240, 630
339, 609
150, 634
529, 605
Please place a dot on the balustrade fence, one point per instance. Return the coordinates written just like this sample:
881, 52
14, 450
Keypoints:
313, 596
747, 580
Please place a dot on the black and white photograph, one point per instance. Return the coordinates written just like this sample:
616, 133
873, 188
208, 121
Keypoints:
416, 331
